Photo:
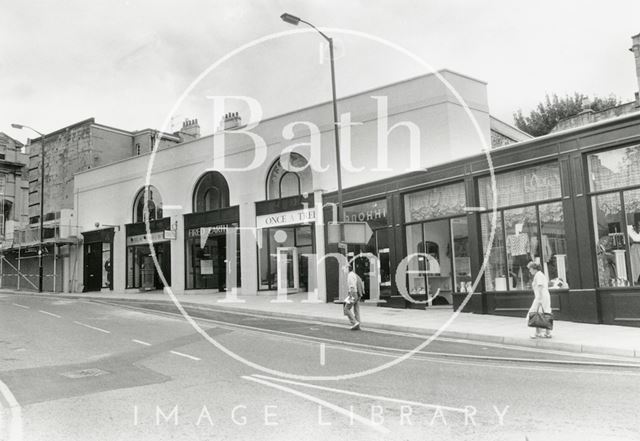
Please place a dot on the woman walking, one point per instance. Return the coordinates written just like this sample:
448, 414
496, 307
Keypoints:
540, 285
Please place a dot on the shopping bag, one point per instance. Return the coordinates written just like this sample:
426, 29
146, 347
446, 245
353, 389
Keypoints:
540, 319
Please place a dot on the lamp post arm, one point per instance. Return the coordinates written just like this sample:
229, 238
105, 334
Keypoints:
326, 37
34, 130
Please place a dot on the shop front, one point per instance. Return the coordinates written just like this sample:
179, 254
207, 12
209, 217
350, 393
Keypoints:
614, 193
98, 260
286, 240
437, 244
141, 269
530, 226
211, 245
376, 272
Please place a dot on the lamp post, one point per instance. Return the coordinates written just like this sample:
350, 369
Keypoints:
40, 261
292, 19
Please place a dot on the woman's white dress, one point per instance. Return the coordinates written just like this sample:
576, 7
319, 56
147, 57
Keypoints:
540, 285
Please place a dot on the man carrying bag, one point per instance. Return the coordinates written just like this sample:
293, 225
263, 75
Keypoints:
355, 291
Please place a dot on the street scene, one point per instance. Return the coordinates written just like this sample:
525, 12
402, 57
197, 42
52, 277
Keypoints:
320, 221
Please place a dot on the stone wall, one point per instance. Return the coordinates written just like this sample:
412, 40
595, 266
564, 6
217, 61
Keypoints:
67, 152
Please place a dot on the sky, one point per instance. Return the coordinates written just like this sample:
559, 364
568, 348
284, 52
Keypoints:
127, 62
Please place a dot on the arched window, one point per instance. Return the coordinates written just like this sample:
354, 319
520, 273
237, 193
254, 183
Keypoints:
154, 205
283, 182
211, 193
289, 185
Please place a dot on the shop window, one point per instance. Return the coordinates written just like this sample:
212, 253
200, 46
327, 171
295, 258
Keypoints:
441, 262
289, 185
520, 187
553, 243
289, 244
154, 205
461, 256
436, 202
290, 175
522, 235
616, 215
206, 260
614, 168
496, 269
211, 193
617, 234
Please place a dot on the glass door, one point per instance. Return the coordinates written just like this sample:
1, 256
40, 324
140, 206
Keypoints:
287, 269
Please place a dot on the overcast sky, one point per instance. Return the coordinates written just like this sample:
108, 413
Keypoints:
126, 62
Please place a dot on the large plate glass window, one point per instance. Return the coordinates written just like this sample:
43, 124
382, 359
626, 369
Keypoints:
615, 205
529, 227
437, 240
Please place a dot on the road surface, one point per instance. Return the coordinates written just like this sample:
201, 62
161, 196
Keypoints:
88, 370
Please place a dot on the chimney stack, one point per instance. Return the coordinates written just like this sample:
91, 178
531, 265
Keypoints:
190, 130
231, 121
635, 48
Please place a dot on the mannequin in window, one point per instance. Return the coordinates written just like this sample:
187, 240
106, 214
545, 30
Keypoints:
518, 248
634, 247
606, 261
544, 250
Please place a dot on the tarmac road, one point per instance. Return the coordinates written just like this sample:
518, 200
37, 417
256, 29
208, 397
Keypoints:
87, 370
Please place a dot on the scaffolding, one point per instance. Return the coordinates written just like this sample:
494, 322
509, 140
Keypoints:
19, 256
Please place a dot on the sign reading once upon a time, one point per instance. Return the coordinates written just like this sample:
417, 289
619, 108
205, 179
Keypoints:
305, 215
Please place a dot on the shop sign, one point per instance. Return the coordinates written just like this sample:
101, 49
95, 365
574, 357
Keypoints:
375, 213
141, 239
303, 216
212, 231
170, 234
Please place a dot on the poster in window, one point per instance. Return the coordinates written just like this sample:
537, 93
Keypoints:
206, 267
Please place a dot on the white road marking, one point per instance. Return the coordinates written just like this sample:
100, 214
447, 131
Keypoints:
337, 409
322, 354
20, 306
15, 425
185, 355
360, 395
92, 327
49, 313
141, 342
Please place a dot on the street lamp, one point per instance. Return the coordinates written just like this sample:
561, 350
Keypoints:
40, 266
292, 19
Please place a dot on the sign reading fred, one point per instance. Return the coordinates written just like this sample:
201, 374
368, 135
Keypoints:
306, 215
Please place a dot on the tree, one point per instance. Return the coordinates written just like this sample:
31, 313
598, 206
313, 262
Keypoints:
547, 114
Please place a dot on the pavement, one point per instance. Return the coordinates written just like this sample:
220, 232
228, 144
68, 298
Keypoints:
595, 339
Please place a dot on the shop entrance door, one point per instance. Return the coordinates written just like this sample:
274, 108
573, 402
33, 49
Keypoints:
93, 266
147, 272
287, 269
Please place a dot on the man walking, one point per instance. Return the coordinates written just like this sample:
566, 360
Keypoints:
355, 290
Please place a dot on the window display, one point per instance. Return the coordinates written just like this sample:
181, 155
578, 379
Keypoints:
521, 226
523, 234
441, 263
207, 256
289, 246
616, 215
